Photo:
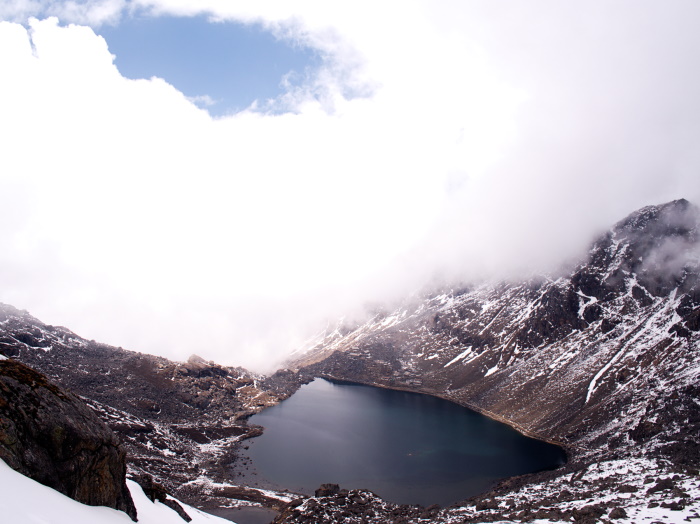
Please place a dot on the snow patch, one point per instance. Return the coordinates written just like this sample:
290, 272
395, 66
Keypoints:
491, 371
460, 356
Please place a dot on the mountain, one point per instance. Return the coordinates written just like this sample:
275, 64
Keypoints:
180, 422
550, 355
602, 360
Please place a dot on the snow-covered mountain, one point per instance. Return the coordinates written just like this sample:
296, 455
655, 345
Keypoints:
573, 359
603, 360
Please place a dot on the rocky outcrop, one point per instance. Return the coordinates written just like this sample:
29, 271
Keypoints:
51, 436
157, 492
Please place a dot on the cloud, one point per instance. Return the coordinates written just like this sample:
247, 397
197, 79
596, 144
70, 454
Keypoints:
204, 100
88, 12
450, 138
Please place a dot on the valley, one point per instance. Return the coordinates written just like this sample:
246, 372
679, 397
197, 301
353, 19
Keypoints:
602, 359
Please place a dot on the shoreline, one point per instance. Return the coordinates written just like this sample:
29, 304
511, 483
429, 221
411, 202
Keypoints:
243, 472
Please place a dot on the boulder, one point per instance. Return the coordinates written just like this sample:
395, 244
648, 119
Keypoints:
618, 513
53, 437
327, 490
661, 485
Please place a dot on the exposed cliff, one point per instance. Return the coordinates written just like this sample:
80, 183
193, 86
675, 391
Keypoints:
52, 437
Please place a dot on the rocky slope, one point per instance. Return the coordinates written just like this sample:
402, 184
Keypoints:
603, 360
52, 437
560, 358
180, 422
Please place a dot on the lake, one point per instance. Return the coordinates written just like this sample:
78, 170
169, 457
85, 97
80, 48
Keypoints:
406, 447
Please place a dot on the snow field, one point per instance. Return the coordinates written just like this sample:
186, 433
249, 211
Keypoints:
25, 501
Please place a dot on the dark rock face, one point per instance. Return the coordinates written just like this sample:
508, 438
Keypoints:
52, 437
327, 490
656, 244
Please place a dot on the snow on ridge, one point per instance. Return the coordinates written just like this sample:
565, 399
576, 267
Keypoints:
491, 371
392, 320
584, 302
647, 327
637, 503
459, 357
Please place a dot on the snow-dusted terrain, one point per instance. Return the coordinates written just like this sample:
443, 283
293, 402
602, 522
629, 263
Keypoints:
624, 491
572, 358
603, 359
179, 421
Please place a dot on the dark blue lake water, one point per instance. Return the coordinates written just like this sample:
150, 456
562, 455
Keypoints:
407, 448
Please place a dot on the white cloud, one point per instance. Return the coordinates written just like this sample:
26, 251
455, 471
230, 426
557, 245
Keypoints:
204, 100
482, 140
89, 12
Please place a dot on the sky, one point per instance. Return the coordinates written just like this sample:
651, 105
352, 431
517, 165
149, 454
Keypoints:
250, 171
222, 67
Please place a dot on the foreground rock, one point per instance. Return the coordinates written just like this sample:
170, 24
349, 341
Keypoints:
629, 491
51, 436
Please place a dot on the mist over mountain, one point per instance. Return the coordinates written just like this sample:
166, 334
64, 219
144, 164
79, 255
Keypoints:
601, 360
474, 142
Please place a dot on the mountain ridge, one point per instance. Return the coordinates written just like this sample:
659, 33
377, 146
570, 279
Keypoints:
602, 360
180, 422
465, 346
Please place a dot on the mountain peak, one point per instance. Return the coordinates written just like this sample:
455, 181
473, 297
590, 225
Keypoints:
675, 218
656, 245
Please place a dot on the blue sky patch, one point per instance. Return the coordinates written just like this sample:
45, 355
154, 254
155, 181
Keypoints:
230, 64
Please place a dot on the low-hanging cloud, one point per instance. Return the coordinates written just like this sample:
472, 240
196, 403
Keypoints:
447, 138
